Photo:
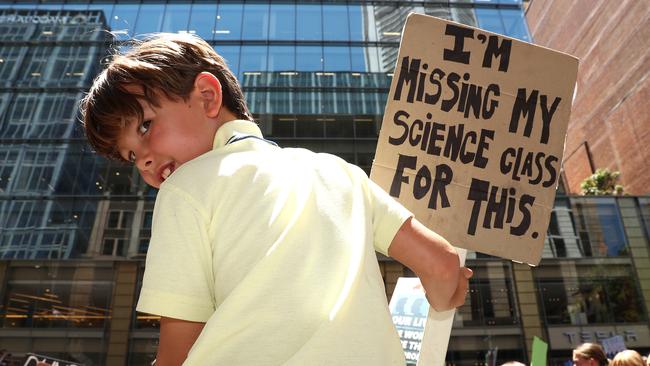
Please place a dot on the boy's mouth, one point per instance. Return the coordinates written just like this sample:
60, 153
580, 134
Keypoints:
167, 170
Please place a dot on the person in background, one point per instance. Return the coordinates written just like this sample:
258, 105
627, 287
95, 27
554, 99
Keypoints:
589, 354
628, 358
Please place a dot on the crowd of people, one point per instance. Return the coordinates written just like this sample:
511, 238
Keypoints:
593, 354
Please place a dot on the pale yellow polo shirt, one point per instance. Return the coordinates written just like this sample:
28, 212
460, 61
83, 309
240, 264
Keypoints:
275, 250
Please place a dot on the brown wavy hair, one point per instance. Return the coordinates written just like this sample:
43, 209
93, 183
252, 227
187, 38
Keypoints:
592, 350
628, 358
162, 65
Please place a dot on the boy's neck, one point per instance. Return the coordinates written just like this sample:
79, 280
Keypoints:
224, 116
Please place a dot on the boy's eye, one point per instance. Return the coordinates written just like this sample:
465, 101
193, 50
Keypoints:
131, 157
144, 127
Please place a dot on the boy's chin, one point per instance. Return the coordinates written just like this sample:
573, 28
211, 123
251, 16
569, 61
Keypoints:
153, 184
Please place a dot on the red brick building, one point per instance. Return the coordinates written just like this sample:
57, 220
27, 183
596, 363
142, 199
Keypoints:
610, 120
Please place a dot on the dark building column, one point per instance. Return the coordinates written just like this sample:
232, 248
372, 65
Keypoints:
3, 275
122, 313
529, 308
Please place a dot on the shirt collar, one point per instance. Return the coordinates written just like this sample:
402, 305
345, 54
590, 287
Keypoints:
228, 129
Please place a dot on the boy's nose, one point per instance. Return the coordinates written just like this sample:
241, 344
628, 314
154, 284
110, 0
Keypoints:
145, 164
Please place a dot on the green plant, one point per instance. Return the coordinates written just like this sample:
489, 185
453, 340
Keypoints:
601, 183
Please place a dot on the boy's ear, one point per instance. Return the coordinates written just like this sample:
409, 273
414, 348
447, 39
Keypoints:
208, 88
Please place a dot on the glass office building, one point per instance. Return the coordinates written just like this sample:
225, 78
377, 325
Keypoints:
74, 228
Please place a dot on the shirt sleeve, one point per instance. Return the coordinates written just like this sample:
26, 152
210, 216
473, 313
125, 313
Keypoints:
388, 216
178, 280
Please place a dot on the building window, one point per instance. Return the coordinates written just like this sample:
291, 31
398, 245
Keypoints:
202, 20
36, 172
19, 115
599, 227
581, 301
70, 65
51, 297
10, 56
490, 300
282, 23
119, 219
229, 21
54, 117
114, 246
8, 167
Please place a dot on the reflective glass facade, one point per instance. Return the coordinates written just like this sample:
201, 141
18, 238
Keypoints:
74, 228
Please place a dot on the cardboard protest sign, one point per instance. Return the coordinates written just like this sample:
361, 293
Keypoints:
473, 135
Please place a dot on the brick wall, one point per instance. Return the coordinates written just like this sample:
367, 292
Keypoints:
611, 112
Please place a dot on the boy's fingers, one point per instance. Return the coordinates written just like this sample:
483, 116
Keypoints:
458, 298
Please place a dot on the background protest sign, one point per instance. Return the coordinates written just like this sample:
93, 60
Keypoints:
473, 135
424, 332
613, 345
409, 309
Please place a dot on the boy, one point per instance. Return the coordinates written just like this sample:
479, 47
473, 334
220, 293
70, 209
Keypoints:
259, 255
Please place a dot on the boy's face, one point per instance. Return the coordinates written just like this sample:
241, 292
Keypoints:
168, 136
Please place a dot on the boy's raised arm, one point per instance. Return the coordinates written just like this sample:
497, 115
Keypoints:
434, 261
176, 338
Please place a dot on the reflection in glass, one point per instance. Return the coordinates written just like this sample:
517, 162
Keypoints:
438, 10
358, 59
309, 58
311, 128
253, 59
256, 21
463, 15
229, 21
336, 27
176, 18
356, 23
336, 58
338, 127
490, 20
107, 9
150, 19
282, 58
202, 20
491, 297
231, 55
123, 20
309, 25
77, 7
390, 21
581, 301
515, 24
282, 23
52, 296
599, 226
365, 126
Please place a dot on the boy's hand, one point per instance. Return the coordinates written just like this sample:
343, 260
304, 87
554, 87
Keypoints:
434, 261
462, 288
